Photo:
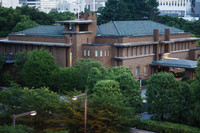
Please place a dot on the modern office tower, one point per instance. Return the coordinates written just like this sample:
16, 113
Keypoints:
98, 3
197, 7
10, 3
178, 8
74, 6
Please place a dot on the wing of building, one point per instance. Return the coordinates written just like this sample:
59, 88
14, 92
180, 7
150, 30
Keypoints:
140, 45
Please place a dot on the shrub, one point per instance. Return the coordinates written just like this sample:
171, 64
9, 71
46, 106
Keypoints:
166, 127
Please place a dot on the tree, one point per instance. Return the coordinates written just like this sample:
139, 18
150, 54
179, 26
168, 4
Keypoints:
162, 90
83, 67
130, 90
93, 77
39, 70
41, 100
116, 10
68, 79
106, 110
8, 19
59, 16
110, 113
35, 15
24, 24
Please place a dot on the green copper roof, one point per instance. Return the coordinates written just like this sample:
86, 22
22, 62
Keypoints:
127, 28
180, 63
45, 30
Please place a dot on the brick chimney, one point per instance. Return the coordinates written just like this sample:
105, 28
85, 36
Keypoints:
155, 35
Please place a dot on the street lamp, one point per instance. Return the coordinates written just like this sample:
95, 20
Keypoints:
32, 113
75, 98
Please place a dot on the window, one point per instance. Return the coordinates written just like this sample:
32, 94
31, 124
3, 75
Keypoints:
51, 50
160, 50
105, 52
144, 50
135, 51
108, 53
126, 52
184, 45
96, 53
151, 47
188, 46
146, 68
88, 52
171, 47
140, 50
131, 51
84, 52
148, 49
174, 47
137, 71
101, 53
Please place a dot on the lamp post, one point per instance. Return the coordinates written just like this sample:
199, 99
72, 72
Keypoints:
75, 98
23, 114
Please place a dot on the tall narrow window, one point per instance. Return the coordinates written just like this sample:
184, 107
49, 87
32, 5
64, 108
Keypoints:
146, 68
137, 71
105, 52
88, 52
96, 53
148, 51
101, 53
135, 51
131, 51
108, 53
144, 50
126, 52
140, 50
84, 52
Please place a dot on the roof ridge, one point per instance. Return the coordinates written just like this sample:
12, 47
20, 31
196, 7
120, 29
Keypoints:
116, 28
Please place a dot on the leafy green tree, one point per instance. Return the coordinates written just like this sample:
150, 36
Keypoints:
120, 70
45, 103
10, 100
24, 24
116, 10
106, 112
93, 77
83, 67
39, 69
8, 19
130, 90
68, 79
59, 16
41, 100
162, 88
35, 15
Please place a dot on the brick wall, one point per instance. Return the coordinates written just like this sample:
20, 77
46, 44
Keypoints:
37, 39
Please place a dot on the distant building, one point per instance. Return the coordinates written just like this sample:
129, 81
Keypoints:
73, 6
197, 7
98, 3
10, 3
179, 8
146, 47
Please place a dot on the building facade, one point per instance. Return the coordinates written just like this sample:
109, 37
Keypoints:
9, 3
135, 44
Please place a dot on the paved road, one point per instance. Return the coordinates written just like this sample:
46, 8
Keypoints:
133, 130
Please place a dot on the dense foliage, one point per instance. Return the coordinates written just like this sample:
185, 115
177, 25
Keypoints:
121, 10
39, 69
21, 18
16, 129
166, 127
2, 61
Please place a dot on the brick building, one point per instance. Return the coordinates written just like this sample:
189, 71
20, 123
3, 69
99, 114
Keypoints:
139, 45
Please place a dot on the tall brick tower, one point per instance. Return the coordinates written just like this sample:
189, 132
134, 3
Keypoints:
77, 32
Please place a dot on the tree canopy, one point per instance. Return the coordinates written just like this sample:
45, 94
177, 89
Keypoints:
39, 68
121, 10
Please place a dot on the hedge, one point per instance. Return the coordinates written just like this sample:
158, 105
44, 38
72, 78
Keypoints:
166, 127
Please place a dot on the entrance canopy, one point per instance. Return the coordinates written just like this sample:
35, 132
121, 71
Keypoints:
174, 62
